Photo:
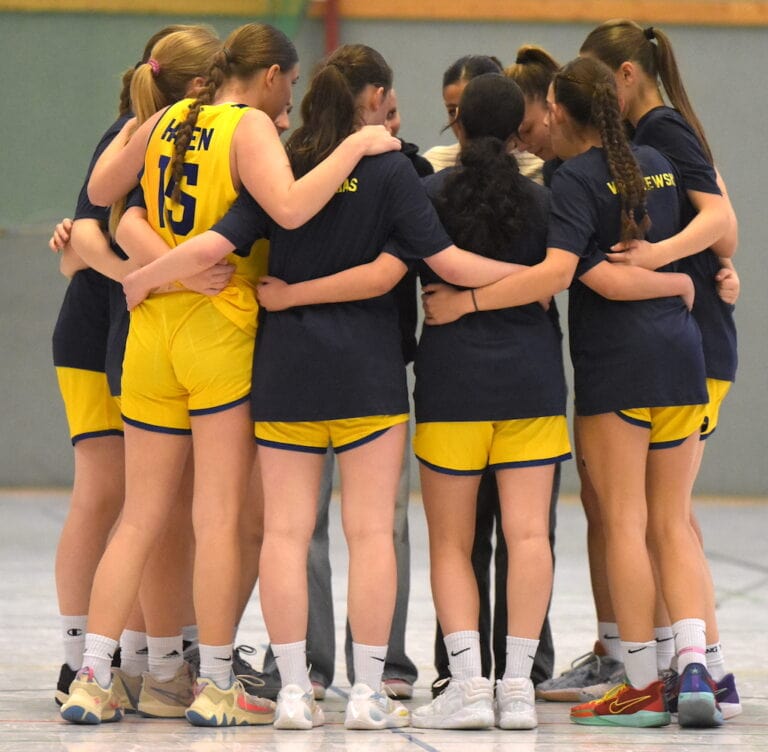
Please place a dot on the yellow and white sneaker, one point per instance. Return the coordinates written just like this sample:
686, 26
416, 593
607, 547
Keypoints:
371, 710
297, 709
213, 706
89, 702
167, 699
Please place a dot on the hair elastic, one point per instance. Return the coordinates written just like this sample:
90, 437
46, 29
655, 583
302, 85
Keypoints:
474, 299
155, 65
649, 32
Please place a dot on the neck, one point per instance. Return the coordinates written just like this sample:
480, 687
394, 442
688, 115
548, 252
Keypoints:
648, 98
580, 142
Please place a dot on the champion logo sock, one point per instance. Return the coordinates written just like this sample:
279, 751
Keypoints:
73, 638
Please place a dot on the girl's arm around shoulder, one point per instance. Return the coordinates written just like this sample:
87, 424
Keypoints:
357, 283
117, 169
92, 245
262, 166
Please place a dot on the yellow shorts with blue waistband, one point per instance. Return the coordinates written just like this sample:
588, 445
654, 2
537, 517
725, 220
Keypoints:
183, 358
91, 410
314, 437
669, 426
717, 389
472, 447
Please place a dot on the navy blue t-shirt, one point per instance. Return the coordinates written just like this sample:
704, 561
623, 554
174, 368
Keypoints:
339, 360
625, 354
665, 129
92, 325
493, 365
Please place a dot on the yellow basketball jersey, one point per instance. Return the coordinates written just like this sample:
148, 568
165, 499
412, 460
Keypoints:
207, 192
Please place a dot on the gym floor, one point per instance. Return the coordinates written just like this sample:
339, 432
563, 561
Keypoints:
30, 654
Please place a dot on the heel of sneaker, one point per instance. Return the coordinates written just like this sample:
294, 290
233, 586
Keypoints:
698, 710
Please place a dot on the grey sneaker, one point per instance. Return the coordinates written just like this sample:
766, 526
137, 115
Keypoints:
590, 677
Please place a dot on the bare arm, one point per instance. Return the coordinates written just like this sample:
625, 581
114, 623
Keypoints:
263, 167
92, 245
712, 223
69, 262
358, 283
628, 283
117, 170
459, 267
529, 285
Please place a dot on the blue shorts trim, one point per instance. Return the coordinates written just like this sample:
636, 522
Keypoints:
705, 436
531, 463
448, 471
667, 444
96, 435
158, 429
634, 421
360, 442
220, 408
291, 447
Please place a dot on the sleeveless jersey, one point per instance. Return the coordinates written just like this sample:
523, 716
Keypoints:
207, 192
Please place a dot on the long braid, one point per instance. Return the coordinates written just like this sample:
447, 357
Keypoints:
621, 161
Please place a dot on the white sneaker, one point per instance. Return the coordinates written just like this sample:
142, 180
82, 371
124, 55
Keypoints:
367, 709
465, 704
297, 709
516, 704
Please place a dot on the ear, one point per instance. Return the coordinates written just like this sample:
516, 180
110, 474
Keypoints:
194, 86
377, 98
627, 73
271, 75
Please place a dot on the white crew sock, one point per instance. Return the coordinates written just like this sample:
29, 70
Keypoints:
291, 659
665, 647
368, 662
464, 654
134, 653
716, 662
98, 655
608, 635
639, 660
690, 642
73, 637
521, 652
216, 664
166, 657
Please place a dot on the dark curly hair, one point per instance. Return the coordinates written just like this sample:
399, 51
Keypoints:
484, 205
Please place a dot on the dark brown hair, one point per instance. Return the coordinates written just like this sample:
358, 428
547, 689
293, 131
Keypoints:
586, 88
329, 110
246, 51
621, 40
532, 71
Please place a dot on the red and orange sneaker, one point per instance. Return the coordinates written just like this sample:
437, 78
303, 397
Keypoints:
625, 706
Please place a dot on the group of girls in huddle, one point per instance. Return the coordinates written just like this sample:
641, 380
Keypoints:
345, 216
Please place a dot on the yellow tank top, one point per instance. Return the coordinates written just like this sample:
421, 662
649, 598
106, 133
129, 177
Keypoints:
207, 192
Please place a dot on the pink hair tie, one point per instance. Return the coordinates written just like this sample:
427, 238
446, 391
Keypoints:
155, 66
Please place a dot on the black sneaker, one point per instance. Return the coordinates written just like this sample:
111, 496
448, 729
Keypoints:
255, 682
66, 677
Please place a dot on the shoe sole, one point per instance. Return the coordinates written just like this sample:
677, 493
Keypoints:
698, 710
515, 723
560, 695
730, 709
61, 697
460, 720
200, 720
81, 716
641, 719
361, 723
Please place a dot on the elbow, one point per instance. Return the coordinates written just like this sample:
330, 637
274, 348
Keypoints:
562, 281
289, 218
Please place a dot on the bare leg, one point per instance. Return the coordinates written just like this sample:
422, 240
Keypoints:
251, 536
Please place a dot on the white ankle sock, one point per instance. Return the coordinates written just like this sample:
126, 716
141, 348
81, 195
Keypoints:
608, 635
665, 647
166, 657
463, 650
73, 637
216, 664
134, 653
690, 642
291, 659
520, 655
716, 661
640, 662
368, 661
98, 655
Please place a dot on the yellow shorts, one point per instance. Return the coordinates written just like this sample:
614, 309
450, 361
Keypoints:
91, 410
183, 358
669, 426
471, 447
314, 437
717, 390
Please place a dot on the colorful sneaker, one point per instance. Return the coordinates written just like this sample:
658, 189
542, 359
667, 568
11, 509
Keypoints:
728, 697
89, 702
227, 707
126, 690
589, 678
297, 709
696, 702
371, 710
625, 706
398, 689
66, 677
515, 704
465, 704
167, 699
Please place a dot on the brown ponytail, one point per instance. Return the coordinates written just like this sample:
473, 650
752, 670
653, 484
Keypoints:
587, 90
621, 40
532, 71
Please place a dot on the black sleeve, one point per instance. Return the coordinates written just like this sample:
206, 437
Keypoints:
244, 223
